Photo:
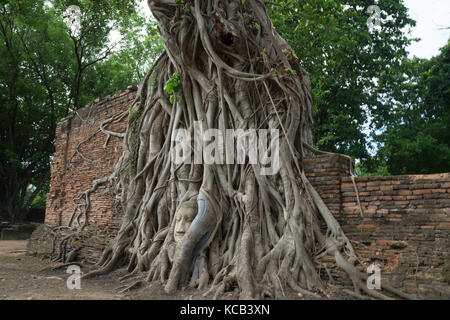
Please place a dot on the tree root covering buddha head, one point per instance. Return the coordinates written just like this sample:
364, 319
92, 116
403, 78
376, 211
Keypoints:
183, 219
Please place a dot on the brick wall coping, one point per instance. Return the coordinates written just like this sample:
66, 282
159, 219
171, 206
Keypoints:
411, 177
73, 121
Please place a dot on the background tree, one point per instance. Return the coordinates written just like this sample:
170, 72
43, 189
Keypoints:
127, 66
344, 59
92, 43
29, 94
42, 70
416, 137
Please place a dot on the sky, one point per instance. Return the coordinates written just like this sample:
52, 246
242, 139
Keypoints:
430, 16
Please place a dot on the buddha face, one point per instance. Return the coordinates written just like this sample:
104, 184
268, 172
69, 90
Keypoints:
183, 218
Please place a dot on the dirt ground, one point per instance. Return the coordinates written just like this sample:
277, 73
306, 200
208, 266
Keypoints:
24, 277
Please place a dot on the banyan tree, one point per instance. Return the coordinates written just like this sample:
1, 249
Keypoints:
227, 225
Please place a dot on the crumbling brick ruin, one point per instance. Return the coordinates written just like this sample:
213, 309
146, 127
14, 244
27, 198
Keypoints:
402, 223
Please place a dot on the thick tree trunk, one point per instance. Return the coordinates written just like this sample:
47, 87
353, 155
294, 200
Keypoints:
254, 233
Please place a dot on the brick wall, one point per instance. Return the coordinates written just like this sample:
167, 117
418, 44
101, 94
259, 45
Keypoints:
325, 174
405, 223
404, 226
73, 171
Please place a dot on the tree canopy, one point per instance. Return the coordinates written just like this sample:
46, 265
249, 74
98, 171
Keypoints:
344, 59
416, 137
46, 71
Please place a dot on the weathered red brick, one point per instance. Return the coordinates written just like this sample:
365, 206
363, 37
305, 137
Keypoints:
422, 191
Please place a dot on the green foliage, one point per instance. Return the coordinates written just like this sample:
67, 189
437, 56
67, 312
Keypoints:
372, 167
172, 86
46, 71
125, 67
343, 57
358, 74
416, 137
101, 64
30, 91
39, 201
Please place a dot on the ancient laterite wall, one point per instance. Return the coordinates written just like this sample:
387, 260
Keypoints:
404, 226
81, 156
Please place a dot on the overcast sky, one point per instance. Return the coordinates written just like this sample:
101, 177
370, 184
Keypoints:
430, 16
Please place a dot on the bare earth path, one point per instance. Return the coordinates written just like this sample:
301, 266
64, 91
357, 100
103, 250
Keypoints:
20, 278
24, 277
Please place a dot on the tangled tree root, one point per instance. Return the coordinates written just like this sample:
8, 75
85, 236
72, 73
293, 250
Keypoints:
253, 234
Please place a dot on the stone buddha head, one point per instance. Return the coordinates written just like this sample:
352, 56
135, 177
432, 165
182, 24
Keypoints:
183, 218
